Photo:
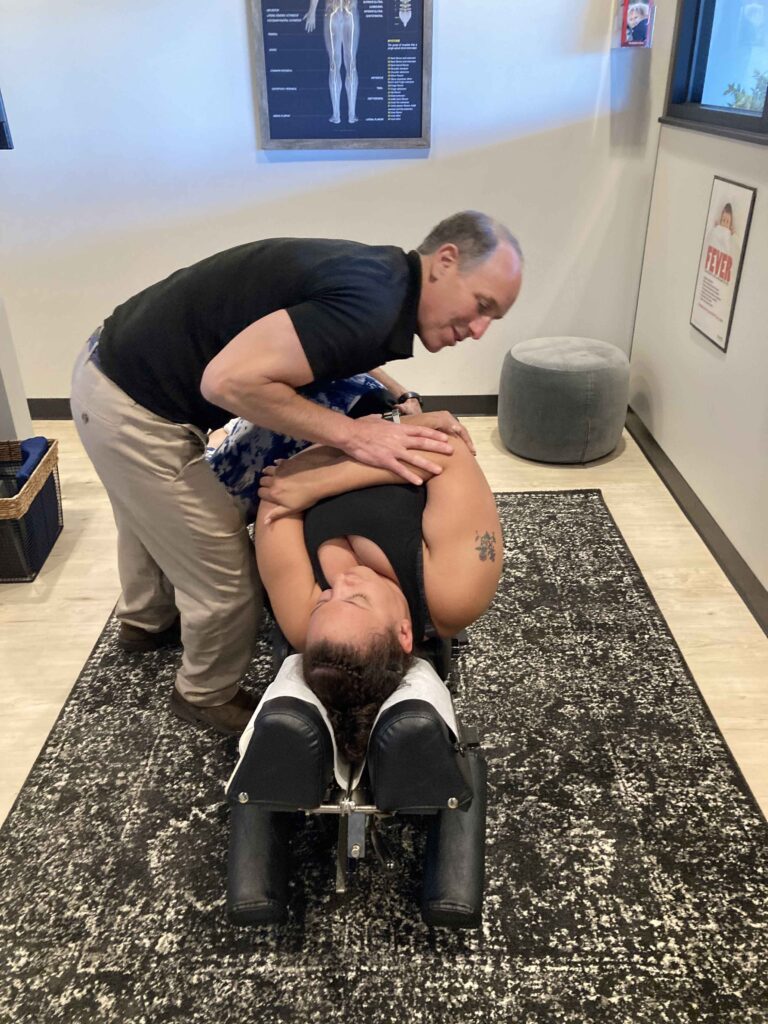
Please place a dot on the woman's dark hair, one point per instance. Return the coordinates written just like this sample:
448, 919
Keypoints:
352, 684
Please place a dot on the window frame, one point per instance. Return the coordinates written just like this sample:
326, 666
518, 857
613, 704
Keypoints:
690, 51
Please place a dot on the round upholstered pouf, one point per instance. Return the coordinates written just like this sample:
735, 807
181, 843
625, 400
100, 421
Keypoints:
563, 399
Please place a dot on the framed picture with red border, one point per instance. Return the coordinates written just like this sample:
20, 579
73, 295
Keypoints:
722, 256
634, 23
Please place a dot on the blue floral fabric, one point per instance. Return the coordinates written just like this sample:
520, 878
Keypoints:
248, 449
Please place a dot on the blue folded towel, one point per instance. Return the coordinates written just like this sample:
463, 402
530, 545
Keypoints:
32, 451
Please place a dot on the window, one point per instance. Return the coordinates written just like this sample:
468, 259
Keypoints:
720, 69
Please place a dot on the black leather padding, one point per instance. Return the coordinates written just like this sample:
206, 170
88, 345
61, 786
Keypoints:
454, 859
289, 760
281, 649
257, 870
413, 764
438, 651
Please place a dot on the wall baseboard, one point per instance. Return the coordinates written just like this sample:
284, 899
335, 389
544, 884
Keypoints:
462, 405
742, 579
49, 408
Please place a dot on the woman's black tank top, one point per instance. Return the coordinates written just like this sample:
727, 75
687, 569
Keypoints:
390, 516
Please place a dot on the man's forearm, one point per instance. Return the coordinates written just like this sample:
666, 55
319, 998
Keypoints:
395, 389
330, 472
279, 408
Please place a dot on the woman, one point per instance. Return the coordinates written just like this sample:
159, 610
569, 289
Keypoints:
372, 567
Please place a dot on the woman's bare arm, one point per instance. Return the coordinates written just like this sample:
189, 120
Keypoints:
286, 572
463, 543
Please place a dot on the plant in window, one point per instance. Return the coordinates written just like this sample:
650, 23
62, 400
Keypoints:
752, 100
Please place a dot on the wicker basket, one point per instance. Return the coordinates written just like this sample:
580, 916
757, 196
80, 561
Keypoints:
31, 520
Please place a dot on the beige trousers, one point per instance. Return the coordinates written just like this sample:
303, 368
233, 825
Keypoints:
182, 541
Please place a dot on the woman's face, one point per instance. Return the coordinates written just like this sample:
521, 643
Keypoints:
726, 220
360, 604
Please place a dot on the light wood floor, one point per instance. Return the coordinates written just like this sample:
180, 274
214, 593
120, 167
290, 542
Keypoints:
47, 628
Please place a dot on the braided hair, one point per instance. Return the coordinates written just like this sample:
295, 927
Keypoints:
352, 684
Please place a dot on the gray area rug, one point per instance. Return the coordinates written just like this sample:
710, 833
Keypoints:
626, 865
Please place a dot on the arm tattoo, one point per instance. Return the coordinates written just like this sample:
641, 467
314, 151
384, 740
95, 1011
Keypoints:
485, 546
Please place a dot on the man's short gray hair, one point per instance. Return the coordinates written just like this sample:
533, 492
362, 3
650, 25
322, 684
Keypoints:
475, 235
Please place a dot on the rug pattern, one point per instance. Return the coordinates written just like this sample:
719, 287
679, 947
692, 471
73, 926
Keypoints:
626, 859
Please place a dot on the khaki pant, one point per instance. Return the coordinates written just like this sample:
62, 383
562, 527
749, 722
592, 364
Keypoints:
182, 541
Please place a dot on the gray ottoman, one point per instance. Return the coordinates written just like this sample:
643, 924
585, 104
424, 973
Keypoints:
563, 399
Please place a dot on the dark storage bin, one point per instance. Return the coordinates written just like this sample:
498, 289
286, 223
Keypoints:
31, 520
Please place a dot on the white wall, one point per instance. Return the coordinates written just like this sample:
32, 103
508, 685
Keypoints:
136, 153
707, 409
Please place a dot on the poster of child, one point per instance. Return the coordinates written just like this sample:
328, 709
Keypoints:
725, 235
633, 25
638, 17
722, 239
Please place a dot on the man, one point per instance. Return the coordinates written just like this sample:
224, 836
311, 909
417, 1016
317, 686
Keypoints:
237, 334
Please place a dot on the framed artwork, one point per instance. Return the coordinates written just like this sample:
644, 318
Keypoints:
722, 255
343, 74
633, 23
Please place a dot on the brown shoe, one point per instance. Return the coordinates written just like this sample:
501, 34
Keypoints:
133, 638
230, 718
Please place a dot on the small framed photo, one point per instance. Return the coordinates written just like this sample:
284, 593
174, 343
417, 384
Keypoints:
722, 256
633, 25
343, 74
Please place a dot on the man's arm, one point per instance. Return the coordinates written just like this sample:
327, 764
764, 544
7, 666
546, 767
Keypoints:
411, 407
321, 472
256, 375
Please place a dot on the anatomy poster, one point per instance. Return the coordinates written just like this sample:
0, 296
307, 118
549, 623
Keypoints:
344, 73
722, 253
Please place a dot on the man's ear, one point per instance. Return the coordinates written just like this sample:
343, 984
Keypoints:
442, 260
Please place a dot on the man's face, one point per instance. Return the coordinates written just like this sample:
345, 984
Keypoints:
456, 305
633, 17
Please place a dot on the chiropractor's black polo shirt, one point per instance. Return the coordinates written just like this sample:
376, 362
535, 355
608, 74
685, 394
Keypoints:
353, 307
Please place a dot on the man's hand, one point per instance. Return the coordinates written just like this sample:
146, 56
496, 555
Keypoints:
394, 446
447, 423
294, 485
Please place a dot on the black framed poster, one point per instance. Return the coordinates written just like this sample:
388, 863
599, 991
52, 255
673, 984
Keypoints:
722, 254
344, 74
